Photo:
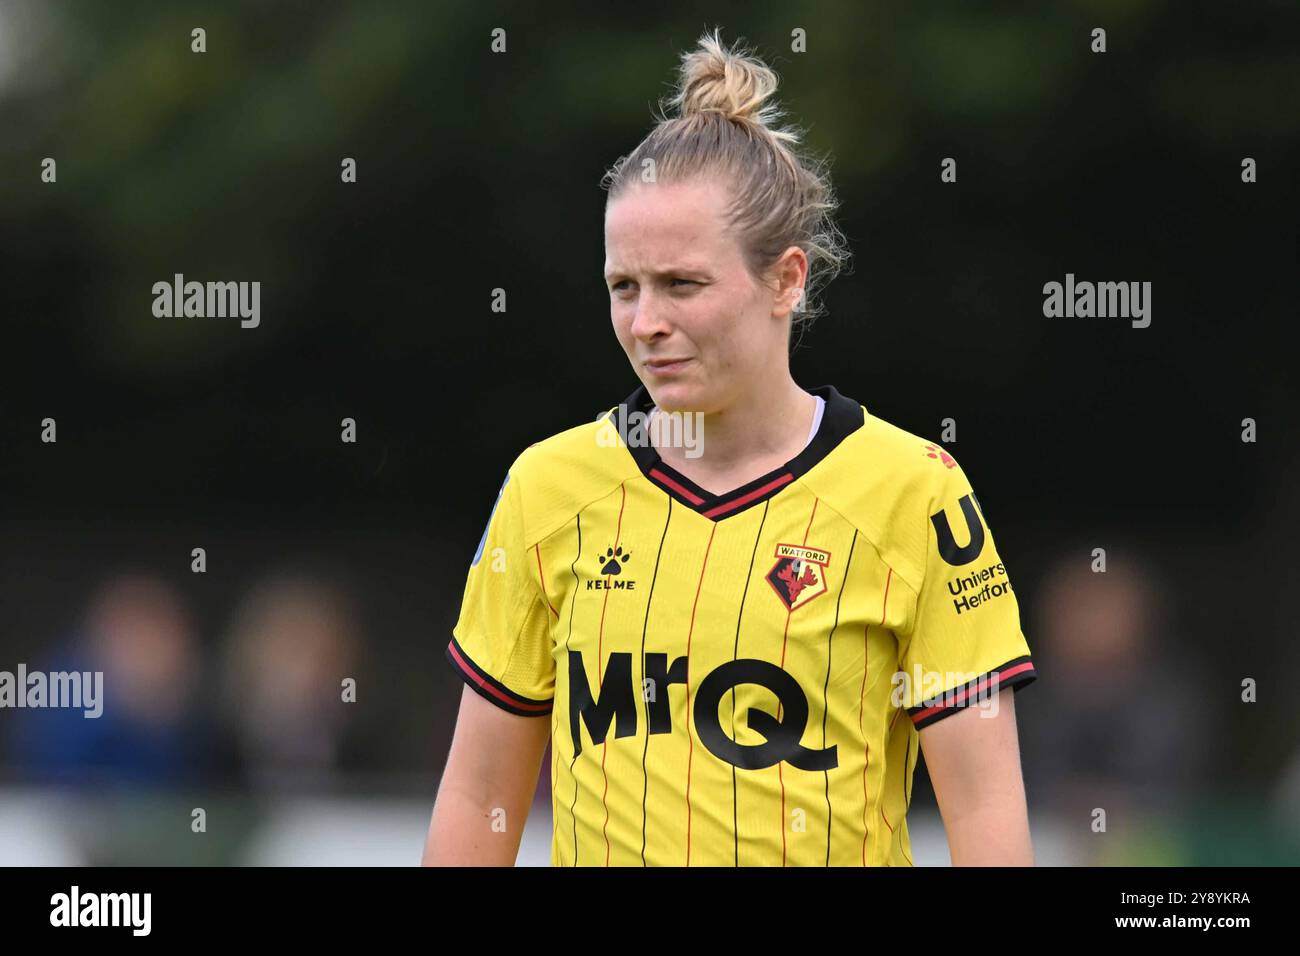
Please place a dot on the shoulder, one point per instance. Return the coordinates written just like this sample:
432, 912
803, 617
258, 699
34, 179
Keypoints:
556, 477
888, 482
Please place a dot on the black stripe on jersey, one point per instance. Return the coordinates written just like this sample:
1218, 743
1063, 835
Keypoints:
735, 655
830, 641
645, 747
573, 774
841, 418
489, 688
1015, 674
907, 795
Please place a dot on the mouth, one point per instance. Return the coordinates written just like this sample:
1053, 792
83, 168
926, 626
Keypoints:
666, 366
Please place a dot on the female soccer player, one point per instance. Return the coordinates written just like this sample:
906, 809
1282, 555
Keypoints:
735, 631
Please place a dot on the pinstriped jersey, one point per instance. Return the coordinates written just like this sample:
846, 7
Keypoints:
739, 678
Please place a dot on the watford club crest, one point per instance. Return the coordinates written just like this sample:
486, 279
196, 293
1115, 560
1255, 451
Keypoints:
799, 574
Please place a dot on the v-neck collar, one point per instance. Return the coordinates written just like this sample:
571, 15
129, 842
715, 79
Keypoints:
841, 417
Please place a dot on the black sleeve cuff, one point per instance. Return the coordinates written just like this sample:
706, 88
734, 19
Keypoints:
492, 689
1015, 674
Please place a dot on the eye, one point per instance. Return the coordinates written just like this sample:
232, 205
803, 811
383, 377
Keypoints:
687, 281
618, 285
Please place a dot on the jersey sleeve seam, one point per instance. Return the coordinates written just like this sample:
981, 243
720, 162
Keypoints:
872, 541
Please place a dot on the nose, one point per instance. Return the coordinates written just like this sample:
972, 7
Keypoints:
650, 319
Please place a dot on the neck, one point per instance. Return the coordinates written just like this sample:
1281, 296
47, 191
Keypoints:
761, 430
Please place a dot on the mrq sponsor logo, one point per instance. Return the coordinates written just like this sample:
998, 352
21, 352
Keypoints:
76, 908
73, 690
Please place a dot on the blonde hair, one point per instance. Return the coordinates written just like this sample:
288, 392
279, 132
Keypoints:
725, 125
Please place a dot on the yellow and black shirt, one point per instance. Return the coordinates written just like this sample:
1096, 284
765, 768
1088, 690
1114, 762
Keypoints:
739, 678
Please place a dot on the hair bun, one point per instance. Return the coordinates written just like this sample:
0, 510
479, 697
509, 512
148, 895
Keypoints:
727, 126
713, 79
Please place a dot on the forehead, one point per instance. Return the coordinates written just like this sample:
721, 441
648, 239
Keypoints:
655, 222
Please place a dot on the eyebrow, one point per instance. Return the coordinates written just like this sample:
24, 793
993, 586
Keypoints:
661, 273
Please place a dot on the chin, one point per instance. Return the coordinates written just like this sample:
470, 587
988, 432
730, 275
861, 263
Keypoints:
678, 396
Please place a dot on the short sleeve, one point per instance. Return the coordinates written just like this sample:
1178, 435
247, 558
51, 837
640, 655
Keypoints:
963, 642
501, 645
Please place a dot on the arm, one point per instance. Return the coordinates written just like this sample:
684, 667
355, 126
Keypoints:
493, 765
973, 758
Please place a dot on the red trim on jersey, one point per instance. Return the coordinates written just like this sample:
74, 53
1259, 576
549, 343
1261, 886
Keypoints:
471, 673
981, 685
747, 498
667, 482
840, 418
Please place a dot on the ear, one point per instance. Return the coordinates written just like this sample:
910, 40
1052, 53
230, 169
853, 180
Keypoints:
790, 276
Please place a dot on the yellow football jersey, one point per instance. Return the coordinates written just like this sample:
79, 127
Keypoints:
737, 679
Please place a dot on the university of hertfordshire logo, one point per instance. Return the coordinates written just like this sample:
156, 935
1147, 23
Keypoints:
799, 574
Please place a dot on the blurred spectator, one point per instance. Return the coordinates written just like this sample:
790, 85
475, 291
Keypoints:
293, 642
1123, 726
139, 634
1285, 805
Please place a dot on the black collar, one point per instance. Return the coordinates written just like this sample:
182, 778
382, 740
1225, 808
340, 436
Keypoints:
841, 417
